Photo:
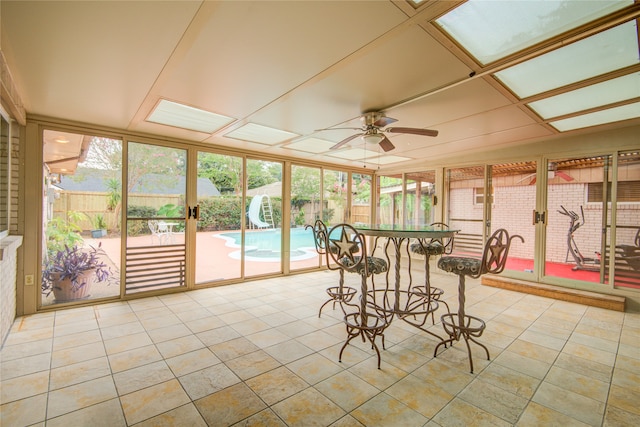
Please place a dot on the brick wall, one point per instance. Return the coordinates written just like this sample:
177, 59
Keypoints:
513, 207
8, 270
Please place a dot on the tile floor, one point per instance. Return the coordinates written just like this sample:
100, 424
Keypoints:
257, 354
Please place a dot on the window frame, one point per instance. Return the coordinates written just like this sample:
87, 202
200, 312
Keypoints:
5, 171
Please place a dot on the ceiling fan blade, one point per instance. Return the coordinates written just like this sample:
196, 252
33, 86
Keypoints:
320, 130
384, 121
564, 176
526, 178
386, 145
413, 131
344, 141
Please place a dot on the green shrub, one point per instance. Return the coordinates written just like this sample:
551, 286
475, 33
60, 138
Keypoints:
220, 213
136, 228
225, 213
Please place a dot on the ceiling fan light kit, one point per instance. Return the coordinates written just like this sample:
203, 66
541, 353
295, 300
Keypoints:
373, 138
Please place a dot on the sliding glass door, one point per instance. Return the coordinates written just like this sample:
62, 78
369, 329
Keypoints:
81, 217
466, 195
512, 207
156, 251
263, 239
626, 253
218, 240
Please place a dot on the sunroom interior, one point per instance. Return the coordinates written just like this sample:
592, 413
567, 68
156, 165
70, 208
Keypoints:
191, 142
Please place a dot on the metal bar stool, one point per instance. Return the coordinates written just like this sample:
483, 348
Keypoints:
427, 248
347, 251
494, 257
337, 294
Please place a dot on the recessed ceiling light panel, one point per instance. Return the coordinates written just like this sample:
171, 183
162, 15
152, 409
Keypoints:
261, 134
311, 145
178, 115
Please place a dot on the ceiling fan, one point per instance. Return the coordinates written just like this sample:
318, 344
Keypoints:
552, 172
372, 131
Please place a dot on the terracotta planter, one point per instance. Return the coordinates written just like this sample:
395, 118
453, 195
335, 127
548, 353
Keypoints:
64, 291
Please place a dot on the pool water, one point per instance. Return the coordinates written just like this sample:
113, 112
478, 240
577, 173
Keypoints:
266, 245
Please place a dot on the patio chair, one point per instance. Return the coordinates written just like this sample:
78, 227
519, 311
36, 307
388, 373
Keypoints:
494, 257
337, 294
427, 248
159, 231
347, 251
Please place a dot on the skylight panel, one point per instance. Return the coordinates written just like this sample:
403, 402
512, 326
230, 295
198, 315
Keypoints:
607, 92
182, 116
491, 30
312, 145
624, 112
607, 51
261, 134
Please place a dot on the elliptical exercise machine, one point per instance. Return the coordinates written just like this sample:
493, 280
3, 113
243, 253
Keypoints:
582, 263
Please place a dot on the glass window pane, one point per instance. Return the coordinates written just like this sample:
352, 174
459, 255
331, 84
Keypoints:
389, 199
608, 92
306, 208
219, 190
607, 51
263, 237
513, 199
156, 194
361, 199
462, 212
574, 226
82, 210
491, 30
627, 250
624, 112
335, 196
419, 202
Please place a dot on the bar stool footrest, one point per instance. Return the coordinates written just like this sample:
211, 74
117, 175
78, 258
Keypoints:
472, 326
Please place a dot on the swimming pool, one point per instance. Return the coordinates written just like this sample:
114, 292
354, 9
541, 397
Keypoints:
266, 245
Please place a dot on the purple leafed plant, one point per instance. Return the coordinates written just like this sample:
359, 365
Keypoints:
71, 263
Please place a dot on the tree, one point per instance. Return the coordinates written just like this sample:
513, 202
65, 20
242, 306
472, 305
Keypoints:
225, 172
165, 162
305, 187
261, 173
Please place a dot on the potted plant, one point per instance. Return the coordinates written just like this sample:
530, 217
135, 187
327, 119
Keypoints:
68, 273
63, 232
99, 226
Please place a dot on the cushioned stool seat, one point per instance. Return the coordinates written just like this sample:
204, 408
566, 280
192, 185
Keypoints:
374, 265
435, 248
460, 265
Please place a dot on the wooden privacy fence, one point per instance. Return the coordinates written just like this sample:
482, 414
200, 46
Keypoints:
360, 214
94, 203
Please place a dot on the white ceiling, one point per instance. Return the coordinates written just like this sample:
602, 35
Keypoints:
296, 66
